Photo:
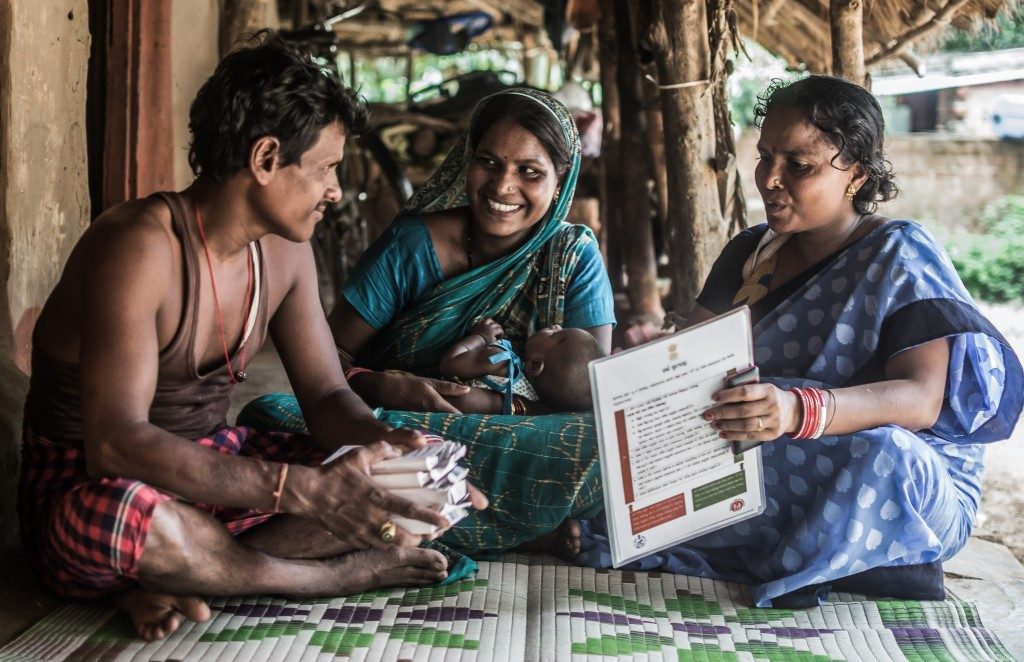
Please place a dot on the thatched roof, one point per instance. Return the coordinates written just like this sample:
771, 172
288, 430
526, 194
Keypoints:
796, 30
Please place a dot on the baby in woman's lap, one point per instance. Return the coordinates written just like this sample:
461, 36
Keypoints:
552, 371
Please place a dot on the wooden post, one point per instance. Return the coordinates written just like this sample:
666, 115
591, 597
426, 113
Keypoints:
678, 35
138, 136
611, 166
722, 38
637, 238
846, 21
655, 130
656, 145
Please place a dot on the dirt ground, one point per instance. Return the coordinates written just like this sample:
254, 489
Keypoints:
1001, 518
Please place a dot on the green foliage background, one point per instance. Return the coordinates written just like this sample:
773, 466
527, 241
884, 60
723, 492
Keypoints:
992, 264
1007, 31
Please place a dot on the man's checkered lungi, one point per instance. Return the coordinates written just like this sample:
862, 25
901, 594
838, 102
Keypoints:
85, 537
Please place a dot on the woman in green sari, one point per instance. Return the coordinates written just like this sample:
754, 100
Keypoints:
486, 237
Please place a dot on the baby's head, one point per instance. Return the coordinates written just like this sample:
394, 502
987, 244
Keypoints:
556, 364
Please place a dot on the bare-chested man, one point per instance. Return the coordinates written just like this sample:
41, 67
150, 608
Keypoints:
132, 485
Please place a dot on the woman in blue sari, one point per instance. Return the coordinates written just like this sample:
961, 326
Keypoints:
871, 312
486, 237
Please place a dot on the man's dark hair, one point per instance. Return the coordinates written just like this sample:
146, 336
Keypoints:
564, 384
528, 114
267, 88
851, 119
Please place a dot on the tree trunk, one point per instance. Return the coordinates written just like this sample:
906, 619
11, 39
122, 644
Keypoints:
677, 32
730, 190
656, 145
611, 171
637, 239
722, 38
655, 126
846, 21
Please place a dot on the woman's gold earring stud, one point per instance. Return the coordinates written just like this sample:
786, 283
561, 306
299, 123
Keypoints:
851, 191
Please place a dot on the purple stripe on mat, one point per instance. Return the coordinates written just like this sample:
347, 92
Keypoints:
604, 617
795, 633
700, 628
264, 611
352, 614
916, 634
444, 614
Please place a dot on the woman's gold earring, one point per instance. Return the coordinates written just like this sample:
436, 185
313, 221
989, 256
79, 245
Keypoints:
851, 191
557, 191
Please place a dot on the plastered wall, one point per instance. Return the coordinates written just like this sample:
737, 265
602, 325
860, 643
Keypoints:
194, 57
44, 197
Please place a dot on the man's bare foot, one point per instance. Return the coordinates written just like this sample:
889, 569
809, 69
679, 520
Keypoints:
156, 615
368, 569
563, 542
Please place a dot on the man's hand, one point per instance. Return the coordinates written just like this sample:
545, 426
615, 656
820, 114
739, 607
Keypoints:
487, 329
354, 508
396, 390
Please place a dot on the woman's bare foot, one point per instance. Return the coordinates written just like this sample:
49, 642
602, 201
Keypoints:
368, 569
156, 615
563, 542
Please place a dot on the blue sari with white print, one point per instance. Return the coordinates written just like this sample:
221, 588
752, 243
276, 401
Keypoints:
886, 496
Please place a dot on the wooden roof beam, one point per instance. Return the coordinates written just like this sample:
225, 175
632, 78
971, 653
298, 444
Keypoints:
938, 19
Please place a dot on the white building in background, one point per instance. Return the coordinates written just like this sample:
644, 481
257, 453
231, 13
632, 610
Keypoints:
978, 94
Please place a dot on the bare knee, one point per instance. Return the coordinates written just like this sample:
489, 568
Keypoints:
179, 544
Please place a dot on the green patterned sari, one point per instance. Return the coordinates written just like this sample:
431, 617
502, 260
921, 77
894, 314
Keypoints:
539, 470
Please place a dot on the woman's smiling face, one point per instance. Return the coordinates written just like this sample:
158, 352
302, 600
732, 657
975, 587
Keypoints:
511, 181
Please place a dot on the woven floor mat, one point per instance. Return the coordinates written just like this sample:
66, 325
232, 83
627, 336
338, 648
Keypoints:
531, 607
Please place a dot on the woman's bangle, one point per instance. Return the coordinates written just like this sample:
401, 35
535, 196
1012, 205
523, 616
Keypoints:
282, 475
832, 409
815, 413
353, 371
819, 428
518, 406
805, 413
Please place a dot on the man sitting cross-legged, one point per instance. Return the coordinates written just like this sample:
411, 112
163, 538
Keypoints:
132, 485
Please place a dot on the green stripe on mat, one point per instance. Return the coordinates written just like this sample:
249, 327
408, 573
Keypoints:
531, 607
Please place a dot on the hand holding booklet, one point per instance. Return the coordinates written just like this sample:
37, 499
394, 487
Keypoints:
429, 476
667, 474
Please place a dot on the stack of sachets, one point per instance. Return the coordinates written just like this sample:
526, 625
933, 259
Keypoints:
429, 476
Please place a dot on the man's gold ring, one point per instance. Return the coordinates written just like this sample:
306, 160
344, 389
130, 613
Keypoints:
760, 424
388, 530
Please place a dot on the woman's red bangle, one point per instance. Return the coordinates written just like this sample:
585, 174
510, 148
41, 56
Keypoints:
812, 402
353, 371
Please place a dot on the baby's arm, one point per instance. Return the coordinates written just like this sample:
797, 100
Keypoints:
470, 357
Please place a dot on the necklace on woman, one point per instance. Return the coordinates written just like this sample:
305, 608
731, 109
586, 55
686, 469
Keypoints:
234, 375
